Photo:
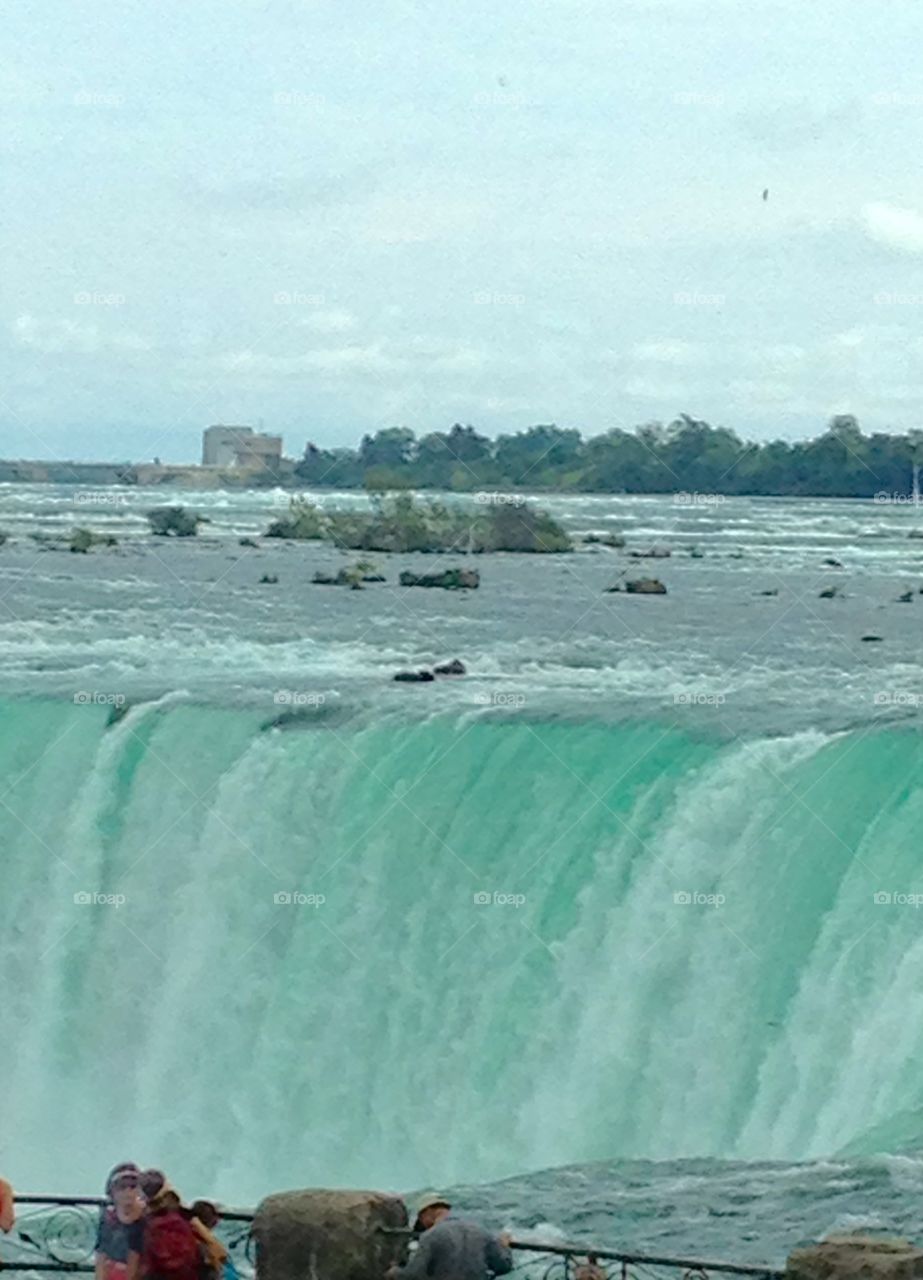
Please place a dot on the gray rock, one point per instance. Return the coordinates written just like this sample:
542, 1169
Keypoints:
856, 1258
328, 1235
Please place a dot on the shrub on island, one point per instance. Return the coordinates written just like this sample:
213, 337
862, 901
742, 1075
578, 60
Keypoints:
177, 522
401, 523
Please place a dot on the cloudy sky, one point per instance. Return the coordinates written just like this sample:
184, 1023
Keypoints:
337, 215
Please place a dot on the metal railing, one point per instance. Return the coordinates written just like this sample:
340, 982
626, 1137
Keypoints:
58, 1233
590, 1262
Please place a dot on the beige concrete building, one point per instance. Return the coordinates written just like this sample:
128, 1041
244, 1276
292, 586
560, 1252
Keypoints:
240, 447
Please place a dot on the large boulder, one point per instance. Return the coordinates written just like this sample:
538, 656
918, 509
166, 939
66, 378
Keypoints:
328, 1235
856, 1258
449, 579
641, 587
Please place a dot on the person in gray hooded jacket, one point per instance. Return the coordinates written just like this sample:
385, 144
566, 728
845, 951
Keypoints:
453, 1248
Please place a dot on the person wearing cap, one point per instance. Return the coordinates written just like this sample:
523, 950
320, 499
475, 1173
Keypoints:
453, 1248
121, 1223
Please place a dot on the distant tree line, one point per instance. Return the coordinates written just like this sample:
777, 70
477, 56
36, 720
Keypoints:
686, 455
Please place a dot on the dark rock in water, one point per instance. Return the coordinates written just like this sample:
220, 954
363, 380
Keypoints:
640, 587
353, 576
614, 540
696, 554
770, 591
906, 597
652, 553
454, 668
117, 712
248, 542
414, 677
270, 579
4, 537
449, 579
870, 639
833, 564
830, 593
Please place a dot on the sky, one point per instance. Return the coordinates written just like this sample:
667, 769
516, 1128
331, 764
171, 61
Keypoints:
332, 216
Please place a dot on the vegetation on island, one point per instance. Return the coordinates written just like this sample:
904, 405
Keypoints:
177, 522
684, 455
401, 523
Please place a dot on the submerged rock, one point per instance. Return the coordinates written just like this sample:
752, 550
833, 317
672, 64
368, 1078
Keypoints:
652, 553
614, 540
269, 579
872, 639
414, 677
448, 579
454, 668
83, 539
906, 597
640, 587
830, 593
248, 542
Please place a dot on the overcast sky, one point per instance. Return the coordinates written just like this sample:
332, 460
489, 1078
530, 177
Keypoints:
337, 215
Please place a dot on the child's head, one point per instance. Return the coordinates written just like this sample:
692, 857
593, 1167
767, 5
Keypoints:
206, 1213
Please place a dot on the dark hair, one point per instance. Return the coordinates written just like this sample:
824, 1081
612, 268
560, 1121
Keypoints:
206, 1212
127, 1166
152, 1181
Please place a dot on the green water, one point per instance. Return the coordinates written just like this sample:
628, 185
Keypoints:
392, 1028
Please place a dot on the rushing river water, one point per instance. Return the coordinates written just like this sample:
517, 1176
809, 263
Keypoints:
628, 916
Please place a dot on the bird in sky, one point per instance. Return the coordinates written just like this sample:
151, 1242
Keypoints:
765, 194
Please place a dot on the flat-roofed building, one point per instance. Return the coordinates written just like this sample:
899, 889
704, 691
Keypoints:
239, 447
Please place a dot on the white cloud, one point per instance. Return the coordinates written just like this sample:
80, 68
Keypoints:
60, 336
899, 228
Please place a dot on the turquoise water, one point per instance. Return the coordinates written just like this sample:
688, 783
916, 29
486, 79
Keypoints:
390, 1027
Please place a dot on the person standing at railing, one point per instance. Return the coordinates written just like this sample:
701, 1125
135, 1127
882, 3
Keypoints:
7, 1206
453, 1248
121, 1223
